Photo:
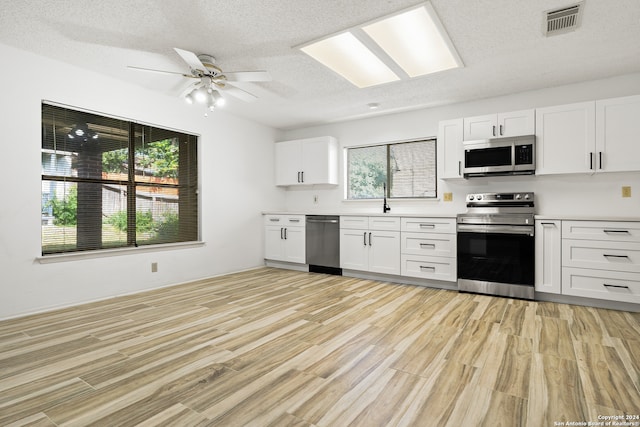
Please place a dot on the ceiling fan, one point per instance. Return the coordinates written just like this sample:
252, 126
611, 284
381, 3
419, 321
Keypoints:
210, 80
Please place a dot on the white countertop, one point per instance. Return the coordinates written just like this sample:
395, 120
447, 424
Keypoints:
587, 218
453, 215
395, 214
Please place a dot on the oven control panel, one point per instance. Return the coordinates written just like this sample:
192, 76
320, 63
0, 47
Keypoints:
498, 198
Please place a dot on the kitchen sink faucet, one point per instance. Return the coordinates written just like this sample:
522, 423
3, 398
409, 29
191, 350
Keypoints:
385, 206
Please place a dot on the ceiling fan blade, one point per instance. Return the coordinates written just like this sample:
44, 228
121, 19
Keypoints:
151, 70
239, 93
191, 59
248, 76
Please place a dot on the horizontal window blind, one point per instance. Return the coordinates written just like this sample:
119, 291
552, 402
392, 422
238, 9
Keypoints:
109, 183
412, 167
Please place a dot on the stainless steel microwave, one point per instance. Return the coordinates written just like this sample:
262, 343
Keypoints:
500, 156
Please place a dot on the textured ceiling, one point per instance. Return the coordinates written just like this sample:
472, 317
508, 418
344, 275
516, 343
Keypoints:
500, 42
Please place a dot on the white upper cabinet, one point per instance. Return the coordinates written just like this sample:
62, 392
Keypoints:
501, 125
565, 138
288, 162
589, 137
307, 162
450, 148
618, 134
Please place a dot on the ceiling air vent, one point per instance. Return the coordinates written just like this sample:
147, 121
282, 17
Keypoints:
563, 20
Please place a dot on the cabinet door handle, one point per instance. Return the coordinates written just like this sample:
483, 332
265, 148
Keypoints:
274, 219
281, 233
427, 267
500, 129
606, 285
369, 239
494, 130
430, 226
591, 160
364, 235
285, 234
302, 174
600, 158
615, 256
616, 231
459, 167
427, 245
544, 224
294, 220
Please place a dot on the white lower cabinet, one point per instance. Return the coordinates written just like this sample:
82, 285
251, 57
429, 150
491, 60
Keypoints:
428, 267
354, 252
428, 248
384, 252
284, 238
370, 244
601, 259
548, 273
601, 284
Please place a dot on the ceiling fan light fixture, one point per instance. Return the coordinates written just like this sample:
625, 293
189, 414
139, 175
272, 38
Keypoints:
219, 101
201, 94
189, 97
211, 101
82, 132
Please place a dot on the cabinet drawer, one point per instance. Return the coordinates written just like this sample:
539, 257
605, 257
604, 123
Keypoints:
609, 285
354, 222
429, 225
602, 255
285, 220
389, 223
427, 267
601, 230
432, 244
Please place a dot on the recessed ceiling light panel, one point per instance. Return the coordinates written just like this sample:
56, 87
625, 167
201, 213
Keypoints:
416, 41
349, 57
413, 41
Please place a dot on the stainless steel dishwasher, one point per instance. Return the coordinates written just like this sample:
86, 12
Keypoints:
323, 244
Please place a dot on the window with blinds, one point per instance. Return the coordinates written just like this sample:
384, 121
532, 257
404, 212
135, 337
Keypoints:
408, 169
109, 183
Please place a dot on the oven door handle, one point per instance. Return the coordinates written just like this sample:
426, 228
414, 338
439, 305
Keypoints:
496, 228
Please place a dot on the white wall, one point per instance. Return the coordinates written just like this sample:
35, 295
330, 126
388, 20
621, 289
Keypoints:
236, 184
556, 195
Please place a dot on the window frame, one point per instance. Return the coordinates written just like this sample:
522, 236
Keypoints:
387, 146
130, 183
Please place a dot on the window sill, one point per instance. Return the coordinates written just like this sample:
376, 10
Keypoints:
102, 253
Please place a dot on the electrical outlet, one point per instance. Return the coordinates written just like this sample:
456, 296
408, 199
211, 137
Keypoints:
626, 191
154, 267
447, 197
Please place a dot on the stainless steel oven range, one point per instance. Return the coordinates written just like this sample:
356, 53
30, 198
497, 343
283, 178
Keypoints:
496, 247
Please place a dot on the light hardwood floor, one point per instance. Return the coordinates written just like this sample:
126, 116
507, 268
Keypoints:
274, 347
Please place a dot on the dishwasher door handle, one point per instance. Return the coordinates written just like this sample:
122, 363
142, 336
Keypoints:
322, 221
